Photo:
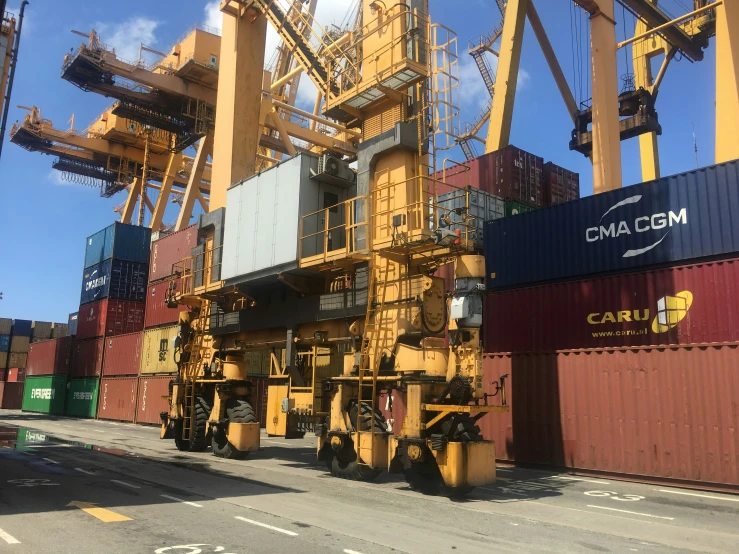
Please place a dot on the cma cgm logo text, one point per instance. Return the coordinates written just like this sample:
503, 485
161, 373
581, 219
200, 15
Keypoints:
654, 222
671, 310
43, 394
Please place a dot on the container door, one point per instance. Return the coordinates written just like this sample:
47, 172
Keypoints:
276, 418
329, 198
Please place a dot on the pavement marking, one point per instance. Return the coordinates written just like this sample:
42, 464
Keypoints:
125, 484
599, 482
259, 524
628, 512
84, 471
10, 539
50, 461
700, 495
277, 442
347, 551
308, 454
104, 515
180, 500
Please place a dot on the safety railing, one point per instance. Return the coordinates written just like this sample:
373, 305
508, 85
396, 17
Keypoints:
200, 273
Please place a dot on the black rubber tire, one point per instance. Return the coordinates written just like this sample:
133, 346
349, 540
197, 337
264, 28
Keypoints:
198, 434
344, 464
181, 444
366, 425
237, 411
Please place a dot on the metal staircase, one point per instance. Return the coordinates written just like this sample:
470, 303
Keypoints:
192, 368
466, 139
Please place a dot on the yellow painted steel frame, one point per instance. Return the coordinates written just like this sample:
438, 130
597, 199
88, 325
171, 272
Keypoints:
727, 81
446, 409
466, 464
244, 436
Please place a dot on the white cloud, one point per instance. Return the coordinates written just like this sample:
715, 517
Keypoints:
524, 80
55, 178
473, 92
28, 20
127, 35
213, 15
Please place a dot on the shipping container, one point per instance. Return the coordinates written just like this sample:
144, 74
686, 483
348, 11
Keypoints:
694, 304
157, 312
467, 211
11, 396
665, 413
674, 220
392, 404
515, 208
87, 358
122, 355
49, 357
82, 397
258, 397
110, 318
17, 359
152, 398
20, 343
6, 325
169, 250
4, 343
560, 184
59, 330
45, 394
22, 327
117, 398
3, 360
16, 375
157, 350
119, 241
72, 323
117, 279
40, 330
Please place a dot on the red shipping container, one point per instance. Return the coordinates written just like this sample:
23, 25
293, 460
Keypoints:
650, 412
122, 354
87, 358
152, 398
108, 318
392, 404
692, 304
11, 396
157, 312
16, 375
49, 357
117, 398
170, 250
560, 184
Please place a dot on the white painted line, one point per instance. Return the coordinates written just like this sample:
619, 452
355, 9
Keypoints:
10, 539
99, 430
347, 551
628, 512
578, 479
259, 524
50, 461
504, 470
84, 471
308, 454
180, 500
700, 495
277, 442
125, 484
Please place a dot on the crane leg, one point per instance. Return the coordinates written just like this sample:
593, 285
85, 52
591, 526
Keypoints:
727, 82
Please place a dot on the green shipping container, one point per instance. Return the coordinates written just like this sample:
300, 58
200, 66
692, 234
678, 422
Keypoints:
45, 394
513, 208
82, 397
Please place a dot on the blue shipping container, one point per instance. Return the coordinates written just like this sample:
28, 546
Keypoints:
21, 328
690, 216
72, 323
4, 343
120, 241
115, 279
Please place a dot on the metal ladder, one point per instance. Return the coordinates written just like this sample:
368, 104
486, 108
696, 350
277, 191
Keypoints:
190, 372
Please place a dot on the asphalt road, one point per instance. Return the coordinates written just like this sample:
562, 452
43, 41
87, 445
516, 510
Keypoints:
85, 486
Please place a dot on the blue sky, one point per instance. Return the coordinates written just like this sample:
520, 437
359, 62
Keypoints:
44, 221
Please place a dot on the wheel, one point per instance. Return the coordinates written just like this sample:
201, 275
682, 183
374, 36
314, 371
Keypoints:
366, 425
344, 464
198, 434
237, 411
181, 444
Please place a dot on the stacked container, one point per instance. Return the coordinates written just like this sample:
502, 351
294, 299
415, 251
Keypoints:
6, 325
46, 375
560, 184
617, 319
20, 339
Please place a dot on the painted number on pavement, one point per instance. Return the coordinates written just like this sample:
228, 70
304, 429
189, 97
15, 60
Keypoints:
192, 549
32, 483
615, 496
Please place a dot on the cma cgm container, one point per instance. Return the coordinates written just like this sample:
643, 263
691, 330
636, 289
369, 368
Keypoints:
82, 397
116, 279
110, 318
117, 398
170, 250
157, 351
122, 354
157, 311
119, 241
11, 395
694, 304
87, 358
560, 184
49, 357
676, 219
45, 394
72, 323
152, 398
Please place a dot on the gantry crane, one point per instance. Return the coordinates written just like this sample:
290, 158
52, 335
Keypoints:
10, 39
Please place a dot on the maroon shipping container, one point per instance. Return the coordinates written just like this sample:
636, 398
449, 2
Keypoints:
170, 250
87, 358
152, 398
117, 398
110, 318
392, 404
650, 412
693, 304
16, 375
122, 354
49, 357
510, 173
560, 184
157, 312
11, 396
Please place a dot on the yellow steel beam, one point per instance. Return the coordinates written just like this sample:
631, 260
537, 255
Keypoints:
501, 114
727, 81
157, 214
205, 148
274, 117
134, 192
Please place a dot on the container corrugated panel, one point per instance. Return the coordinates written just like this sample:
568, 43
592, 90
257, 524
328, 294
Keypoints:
157, 311
110, 318
560, 184
82, 397
673, 220
116, 279
515, 208
152, 398
16, 375
72, 323
663, 412
22, 327
17, 359
685, 305
392, 404
11, 396
475, 207
49, 357
259, 398
59, 330
45, 394
122, 355
170, 250
117, 398
120, 241
87, 358
19, 343
6, 325
3, 360
40, 330
4, 343
157, 350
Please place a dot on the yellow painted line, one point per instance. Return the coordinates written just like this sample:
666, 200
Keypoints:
106, 516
